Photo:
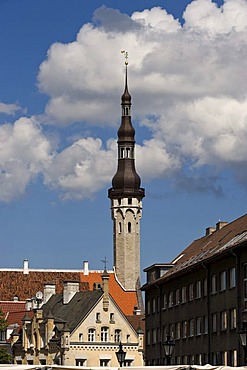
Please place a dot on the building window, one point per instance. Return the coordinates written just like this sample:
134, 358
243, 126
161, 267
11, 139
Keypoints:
183, 294
129, 201
104, 362
198, 289
177, 330
205, 324
80, 362
205, 287
164, 302
214, 284
233, 318
80, 337
153, 305
184, 329
98, 317
148, 337
223, 320
91, 335
191, 328
214, 322
223, 281
245, 286
117, 335
233, 358
3, 336
129, 227
104, 334
154, 336
177, 296
191, 292
127, 338
119, 227
198, 326
170, 299
232, 277
148, 307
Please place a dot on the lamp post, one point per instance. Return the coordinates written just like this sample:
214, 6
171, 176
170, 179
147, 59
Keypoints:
120, 355
243, 339
169, 347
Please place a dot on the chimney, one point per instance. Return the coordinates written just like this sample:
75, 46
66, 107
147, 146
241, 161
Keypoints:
85, 267
210, 230
25, 267
220, 224
69, 290
136, 311
49, 290
105, 286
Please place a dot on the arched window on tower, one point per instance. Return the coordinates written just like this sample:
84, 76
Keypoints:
129, 227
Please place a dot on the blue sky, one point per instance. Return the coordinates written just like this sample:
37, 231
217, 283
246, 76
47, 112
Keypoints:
62, 76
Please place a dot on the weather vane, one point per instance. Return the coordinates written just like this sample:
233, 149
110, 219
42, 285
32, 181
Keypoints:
126, 55
105, 262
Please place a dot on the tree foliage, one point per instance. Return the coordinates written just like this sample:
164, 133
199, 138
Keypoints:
3, 321
5, 357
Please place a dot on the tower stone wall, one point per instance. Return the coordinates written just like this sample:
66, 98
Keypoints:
126, 202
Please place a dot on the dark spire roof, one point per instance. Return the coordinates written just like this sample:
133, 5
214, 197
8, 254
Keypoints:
126, 181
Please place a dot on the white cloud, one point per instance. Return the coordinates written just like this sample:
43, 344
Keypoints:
24, 151
191, 78
82, 169
9, 109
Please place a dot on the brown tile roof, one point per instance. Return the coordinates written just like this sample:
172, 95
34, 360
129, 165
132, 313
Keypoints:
138, 322
26, 286
210, 246
126, 300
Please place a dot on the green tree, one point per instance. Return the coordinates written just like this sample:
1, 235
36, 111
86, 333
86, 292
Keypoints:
5, 357
3, 322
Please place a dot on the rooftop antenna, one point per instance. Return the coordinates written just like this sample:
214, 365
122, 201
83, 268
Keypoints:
105, 263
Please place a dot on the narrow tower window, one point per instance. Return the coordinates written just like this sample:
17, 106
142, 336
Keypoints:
129, 200
129, 227
119, 227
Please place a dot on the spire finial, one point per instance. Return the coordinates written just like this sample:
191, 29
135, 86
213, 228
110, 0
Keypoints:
126, 55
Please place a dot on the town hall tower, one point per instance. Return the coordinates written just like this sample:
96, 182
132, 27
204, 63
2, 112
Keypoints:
126, 201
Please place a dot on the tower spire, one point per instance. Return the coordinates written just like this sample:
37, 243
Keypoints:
126, 199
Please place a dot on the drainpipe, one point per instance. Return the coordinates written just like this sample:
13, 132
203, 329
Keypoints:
239, 311
208, 311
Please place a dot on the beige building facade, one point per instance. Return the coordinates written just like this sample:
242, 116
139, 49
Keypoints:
78, 329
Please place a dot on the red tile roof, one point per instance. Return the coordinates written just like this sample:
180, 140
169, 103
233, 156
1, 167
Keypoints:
126, 300
14, 311
25, 286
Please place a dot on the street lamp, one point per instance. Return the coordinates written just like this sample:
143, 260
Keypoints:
243, 339
169, 347
120, 355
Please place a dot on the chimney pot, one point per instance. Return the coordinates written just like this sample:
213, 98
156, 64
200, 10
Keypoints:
69, 290
209, 230
221, 224
25, 267
49, 290
85, 268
